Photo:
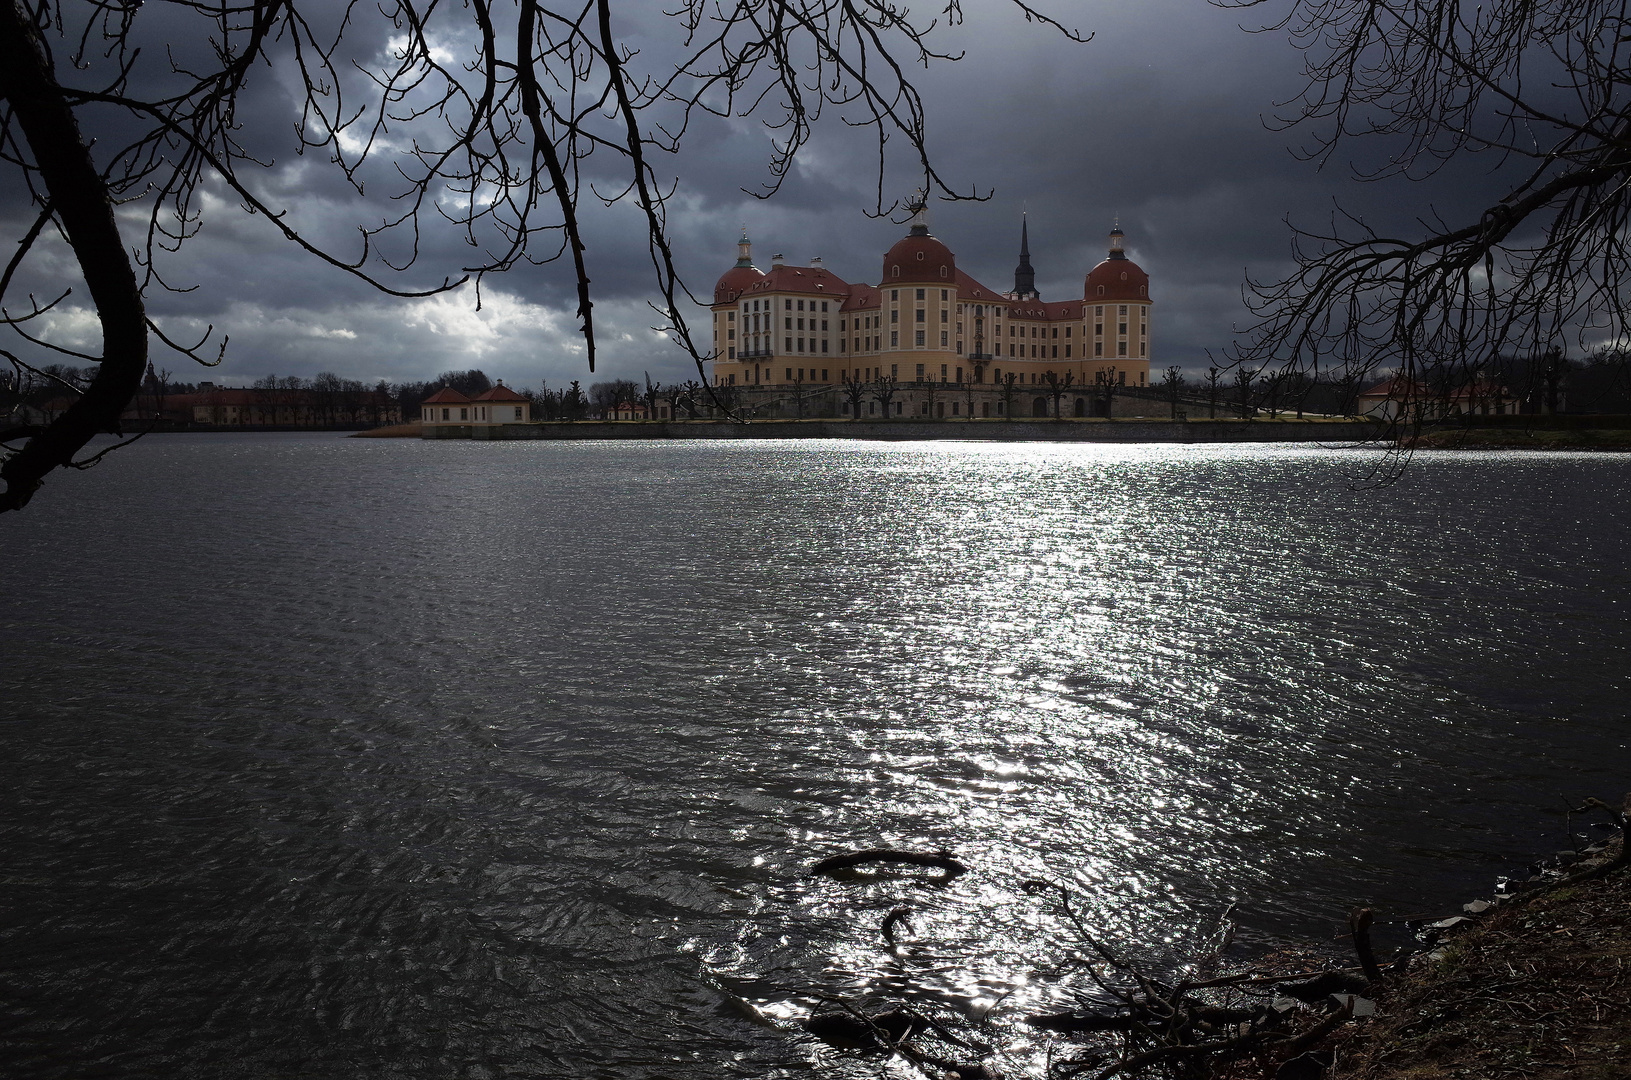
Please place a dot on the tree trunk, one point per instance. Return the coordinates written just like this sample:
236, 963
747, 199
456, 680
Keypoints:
80, 201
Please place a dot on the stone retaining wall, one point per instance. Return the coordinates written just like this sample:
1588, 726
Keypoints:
1140, 431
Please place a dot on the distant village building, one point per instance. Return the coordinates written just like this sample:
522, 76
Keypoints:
637, 410
263, 407
500, 405
1400, 398
949, 344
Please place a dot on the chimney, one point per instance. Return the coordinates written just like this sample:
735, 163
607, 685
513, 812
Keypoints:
775, 260
815, 261
206, 386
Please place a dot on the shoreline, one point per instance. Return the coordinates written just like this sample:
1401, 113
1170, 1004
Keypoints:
1534, 987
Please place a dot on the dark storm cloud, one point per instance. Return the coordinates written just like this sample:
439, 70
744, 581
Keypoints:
1157, 121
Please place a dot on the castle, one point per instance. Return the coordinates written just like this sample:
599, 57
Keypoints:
928, 340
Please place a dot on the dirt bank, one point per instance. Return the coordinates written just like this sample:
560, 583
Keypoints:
394, 431
1540, 989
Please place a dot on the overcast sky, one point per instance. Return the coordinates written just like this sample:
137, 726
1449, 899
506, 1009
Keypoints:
1158, 120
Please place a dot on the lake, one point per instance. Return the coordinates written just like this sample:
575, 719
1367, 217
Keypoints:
329, 757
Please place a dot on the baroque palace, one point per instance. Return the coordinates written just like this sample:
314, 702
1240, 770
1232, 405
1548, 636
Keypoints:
928, 340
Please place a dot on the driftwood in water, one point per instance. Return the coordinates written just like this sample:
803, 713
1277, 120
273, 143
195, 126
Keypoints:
940, 861
851, 1030
1359, 923
895, 918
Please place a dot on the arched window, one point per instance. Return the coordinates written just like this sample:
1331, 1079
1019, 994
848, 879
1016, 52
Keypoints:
1101, 290
894, 271
920, 256
1142, 290
942, 271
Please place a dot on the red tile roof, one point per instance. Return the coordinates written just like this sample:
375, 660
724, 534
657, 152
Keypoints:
497, 393
447, 396
1122, 279
817, 280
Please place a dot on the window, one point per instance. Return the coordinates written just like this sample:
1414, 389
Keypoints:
920, 291
942, 339
920, 373
943, 296
1121, 328
801, 305
943, 314
1101, 290
730, 335
1067, 331
959, 374
787, 346
823, 305
894, 315
788, 324
1122, 310
942, 372
894, 339
823, 373
464, 414
919, 341
1121, 348
823, 324
788, 304
894, 371
1098, 348
894, 294
919, 314
731, 352
445, 414
1056, 331
1098, 328
959, 346
1067, 352
730, 316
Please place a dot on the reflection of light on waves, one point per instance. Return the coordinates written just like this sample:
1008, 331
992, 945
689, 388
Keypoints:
1002, 618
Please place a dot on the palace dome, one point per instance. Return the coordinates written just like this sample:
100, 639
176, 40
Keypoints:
1121, 279
917, 258
735, 281
1117, 277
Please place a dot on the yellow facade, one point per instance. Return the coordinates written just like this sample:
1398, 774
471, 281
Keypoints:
803, 327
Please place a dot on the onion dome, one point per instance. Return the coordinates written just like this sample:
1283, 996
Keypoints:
744, 275
1117, 278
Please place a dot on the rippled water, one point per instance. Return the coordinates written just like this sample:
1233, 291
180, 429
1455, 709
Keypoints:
329, 757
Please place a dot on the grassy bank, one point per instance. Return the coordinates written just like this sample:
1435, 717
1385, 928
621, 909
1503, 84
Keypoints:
1522, 439
1540, 989
393, 431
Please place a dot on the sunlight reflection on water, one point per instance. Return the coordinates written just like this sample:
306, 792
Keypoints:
435, 758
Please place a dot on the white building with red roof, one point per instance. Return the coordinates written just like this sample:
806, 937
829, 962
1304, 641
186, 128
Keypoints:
446, 406
931, 328
500, 405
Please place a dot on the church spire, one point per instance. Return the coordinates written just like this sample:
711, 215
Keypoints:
1024, 276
